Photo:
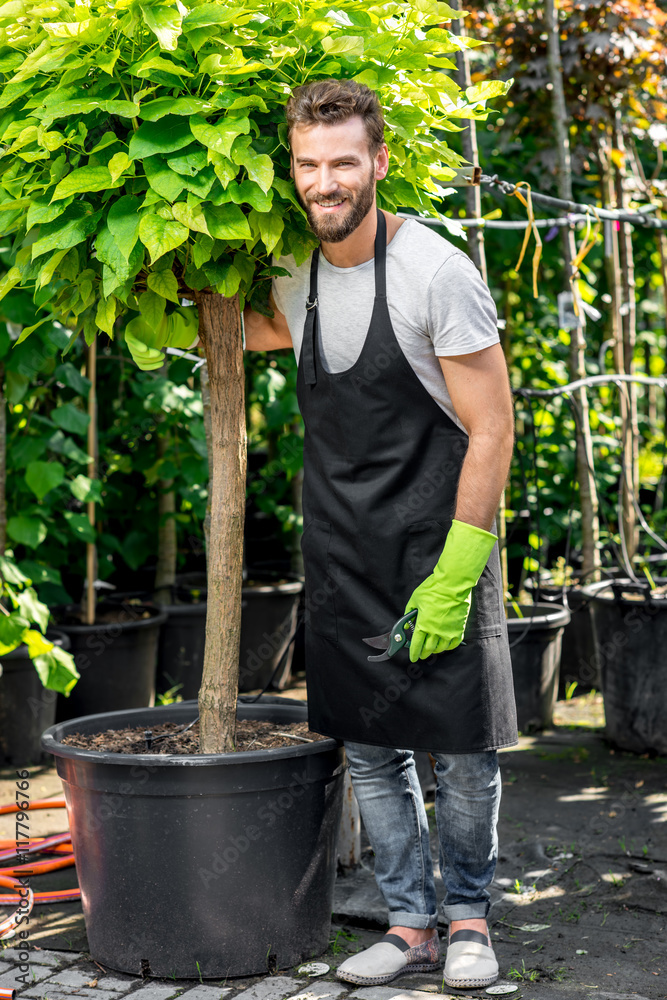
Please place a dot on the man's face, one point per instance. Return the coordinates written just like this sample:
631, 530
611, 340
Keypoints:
335, 175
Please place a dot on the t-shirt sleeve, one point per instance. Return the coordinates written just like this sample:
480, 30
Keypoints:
461, 315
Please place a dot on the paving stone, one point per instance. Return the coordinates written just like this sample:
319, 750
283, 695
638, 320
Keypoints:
10, 980
46, 992
207, 992
73, 977
393, 993
4, 966
40, 957
271, 988
320, 989
156, 991
114, 983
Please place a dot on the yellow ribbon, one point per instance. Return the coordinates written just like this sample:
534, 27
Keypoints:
587, 244
531, 227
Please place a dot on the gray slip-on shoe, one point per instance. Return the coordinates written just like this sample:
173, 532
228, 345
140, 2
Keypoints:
471, 962
389, 958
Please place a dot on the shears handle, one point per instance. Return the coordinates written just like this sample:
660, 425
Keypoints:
402, 632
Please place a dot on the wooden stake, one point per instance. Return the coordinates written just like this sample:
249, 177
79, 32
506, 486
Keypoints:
91, 547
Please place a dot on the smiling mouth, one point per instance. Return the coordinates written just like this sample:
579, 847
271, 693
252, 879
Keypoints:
333, 204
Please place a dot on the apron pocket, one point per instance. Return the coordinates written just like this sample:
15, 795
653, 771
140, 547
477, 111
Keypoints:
320, 582
424, 544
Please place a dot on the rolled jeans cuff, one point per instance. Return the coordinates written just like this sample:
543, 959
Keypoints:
467, 911
420, 921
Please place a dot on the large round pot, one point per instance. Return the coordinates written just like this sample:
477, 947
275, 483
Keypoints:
630, 642
116, 658
26, 707
269, 609
535, 645
578, 642
205, 864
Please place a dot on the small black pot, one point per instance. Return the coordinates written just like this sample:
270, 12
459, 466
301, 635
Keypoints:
630, 642
210, 865
268, 619
26, 707
578, 642
116, 660
535, 645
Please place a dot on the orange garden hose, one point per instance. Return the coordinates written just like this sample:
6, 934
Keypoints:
58, 851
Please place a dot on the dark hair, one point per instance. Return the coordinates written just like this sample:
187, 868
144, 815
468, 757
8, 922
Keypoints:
328, 102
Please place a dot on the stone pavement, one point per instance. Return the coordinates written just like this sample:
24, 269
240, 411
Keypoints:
579, 901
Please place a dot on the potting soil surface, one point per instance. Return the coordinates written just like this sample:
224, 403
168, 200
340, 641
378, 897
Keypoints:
173, 738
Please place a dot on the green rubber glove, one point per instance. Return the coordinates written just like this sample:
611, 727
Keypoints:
443, 599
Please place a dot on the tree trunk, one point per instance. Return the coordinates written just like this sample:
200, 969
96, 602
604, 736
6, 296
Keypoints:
625, 355
220, 333
588, 498
206, 406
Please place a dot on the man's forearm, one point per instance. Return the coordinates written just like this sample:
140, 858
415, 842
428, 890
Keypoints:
483, 477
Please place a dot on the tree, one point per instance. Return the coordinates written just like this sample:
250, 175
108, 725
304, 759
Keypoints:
145, 165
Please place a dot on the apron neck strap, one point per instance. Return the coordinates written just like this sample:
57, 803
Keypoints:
381, 257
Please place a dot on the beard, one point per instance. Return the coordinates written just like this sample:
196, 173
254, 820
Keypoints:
330, 229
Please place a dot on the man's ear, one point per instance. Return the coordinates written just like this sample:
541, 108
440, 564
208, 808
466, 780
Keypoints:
382, 163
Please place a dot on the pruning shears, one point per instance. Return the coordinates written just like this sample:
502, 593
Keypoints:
398, 637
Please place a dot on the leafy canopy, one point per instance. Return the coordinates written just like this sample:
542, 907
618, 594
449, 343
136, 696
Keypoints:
145, 151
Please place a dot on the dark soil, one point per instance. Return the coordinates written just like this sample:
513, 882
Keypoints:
250, 735
122, 614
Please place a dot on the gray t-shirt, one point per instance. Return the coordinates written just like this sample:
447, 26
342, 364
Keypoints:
438, 304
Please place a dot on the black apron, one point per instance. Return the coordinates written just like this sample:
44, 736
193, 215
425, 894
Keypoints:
381, 467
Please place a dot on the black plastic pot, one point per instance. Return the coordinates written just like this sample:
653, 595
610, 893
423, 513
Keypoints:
630, 650
209, 864
268, 619
26, 707
116, 660
578, 642
535, 645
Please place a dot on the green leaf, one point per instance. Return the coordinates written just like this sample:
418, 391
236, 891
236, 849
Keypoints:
118, 164
250, 193
486, 89
161, 235
80, 526
191, 216
227, 222
41, 211
57, 670
42, 477
214, 13
223, 277
71, 109
166, 136
27, 530
84, 179
151, 307
152, 111
12, 629
70, 376
190, 161
9, 280
123, 222
47, 271
348, 45
86, 489
271, 228
30, 607
219, 137
75, 224
69, 418
106, 314
165, 23
164, 181
258, 165
164, 283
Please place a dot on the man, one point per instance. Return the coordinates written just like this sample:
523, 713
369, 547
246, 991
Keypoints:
408, 419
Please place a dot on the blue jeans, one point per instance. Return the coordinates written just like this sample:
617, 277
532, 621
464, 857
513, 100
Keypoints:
466, 808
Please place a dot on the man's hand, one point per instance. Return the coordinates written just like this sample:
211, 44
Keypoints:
443, 599
263, 333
